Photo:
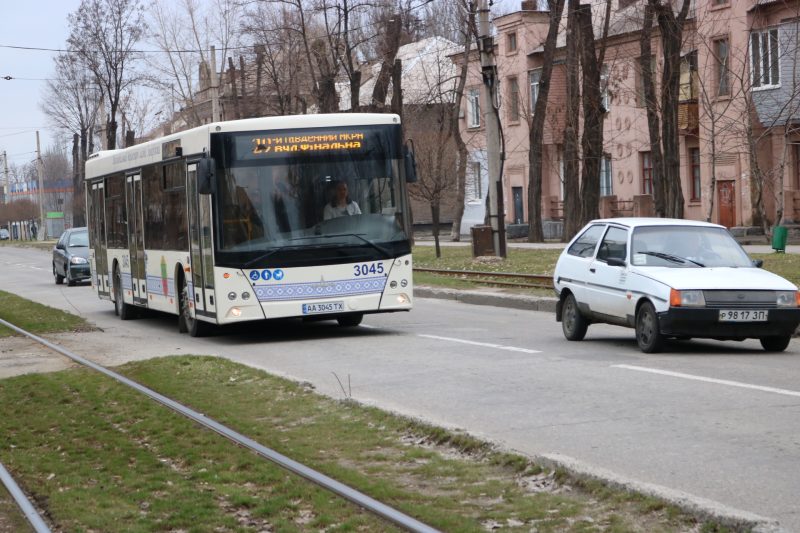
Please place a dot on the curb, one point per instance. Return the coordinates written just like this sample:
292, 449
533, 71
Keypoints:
493, 298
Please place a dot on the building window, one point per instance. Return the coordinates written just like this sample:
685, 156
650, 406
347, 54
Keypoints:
694, 173
647, 173
535, 77
688, 84
606, 179
765, 59
512, 42
513, 100
476, 179
473, 108
605, 99
721, 50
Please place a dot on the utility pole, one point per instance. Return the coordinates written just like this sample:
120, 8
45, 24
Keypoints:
492, 120
5, 177
40, 171
214, 87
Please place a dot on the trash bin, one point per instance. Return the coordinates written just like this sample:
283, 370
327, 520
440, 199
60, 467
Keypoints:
482, 241
779, 234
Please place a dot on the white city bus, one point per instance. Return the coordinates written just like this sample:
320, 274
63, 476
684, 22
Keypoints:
227, 222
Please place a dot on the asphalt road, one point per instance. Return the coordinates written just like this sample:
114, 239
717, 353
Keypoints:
715, 423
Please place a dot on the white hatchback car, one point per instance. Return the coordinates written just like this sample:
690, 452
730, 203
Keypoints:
671, 278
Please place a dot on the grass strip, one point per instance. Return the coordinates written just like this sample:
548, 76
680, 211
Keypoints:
98, 457
35, 317
542, 262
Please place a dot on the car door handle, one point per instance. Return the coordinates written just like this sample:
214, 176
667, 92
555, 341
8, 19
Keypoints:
592, 270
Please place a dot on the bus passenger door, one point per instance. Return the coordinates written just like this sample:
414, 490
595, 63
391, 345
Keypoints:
98, 220
201, 287
133, 195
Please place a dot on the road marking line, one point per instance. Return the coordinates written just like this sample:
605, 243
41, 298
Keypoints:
485, 344
730, 383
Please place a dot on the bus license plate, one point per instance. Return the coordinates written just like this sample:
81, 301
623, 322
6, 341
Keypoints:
323, 307
743, 316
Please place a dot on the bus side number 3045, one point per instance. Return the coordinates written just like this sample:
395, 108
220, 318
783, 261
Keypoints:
366, 269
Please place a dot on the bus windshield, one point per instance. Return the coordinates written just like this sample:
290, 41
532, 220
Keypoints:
321, 195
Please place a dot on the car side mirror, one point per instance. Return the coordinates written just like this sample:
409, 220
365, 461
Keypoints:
205, 175
758, 263
59, 246
615, 262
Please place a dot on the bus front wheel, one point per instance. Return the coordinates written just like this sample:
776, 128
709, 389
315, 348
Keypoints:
186, 322
350, 321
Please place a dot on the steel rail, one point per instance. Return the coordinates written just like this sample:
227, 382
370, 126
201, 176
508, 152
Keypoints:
370, 504
23, 502
476, 275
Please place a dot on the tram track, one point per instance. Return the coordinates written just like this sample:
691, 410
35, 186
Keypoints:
356, 497
503, 279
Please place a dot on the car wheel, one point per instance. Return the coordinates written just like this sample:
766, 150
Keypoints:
123, 310
648, 334
350, 321
775, 344
59, 277
573, 323
68, 278
186, 322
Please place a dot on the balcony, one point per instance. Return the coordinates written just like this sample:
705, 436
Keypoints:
688, 117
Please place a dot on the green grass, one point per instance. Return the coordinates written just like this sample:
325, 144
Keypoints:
12, 519
542, 262
36, 318
98, 457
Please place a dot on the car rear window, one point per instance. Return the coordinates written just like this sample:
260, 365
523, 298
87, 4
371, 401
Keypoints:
585, 244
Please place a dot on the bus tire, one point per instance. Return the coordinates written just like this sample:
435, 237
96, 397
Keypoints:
350, 321
123, 310
186, 322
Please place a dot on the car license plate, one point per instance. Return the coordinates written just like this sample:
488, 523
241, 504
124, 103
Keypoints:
323, 307
743, 316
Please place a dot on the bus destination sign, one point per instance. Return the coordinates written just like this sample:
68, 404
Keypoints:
280, 144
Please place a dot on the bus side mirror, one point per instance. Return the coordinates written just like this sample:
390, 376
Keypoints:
205, 175
410, 165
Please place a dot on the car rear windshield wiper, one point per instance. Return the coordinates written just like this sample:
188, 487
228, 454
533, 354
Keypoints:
672, 258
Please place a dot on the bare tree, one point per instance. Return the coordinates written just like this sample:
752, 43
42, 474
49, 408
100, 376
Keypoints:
104, 33
572, 202
70, 103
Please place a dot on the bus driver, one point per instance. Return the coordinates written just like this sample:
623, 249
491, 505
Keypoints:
340, 204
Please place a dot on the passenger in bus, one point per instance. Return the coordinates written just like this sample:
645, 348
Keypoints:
340, 204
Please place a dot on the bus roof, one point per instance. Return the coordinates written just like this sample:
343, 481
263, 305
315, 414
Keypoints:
195, 140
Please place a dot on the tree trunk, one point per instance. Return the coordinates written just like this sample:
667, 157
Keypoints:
243, 85
77, 182
592, 140
355, 92
435, 226
455, 130
234, 91
572, 202
381, 88
653, 121
536, 131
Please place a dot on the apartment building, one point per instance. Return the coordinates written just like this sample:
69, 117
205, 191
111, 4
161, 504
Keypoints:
739, 112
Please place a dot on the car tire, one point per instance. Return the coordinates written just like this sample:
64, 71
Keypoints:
573, 323
59, 278
123, 310
350, 321
186, 322
775, 344
648, 332
69, 280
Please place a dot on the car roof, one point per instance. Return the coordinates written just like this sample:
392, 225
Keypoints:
633, 222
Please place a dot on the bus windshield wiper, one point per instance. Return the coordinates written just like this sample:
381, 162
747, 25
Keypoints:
359, 236
672, 258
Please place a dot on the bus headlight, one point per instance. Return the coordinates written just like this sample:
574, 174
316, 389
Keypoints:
236, 312
403, 299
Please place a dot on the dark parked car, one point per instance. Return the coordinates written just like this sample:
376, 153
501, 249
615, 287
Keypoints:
4, 235
71, 257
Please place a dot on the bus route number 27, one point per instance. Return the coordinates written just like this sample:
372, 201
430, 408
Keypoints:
365, 269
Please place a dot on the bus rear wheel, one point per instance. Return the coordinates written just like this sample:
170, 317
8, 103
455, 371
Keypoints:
186, 322
121, 309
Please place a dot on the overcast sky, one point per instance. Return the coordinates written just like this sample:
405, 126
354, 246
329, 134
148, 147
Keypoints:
40, 24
